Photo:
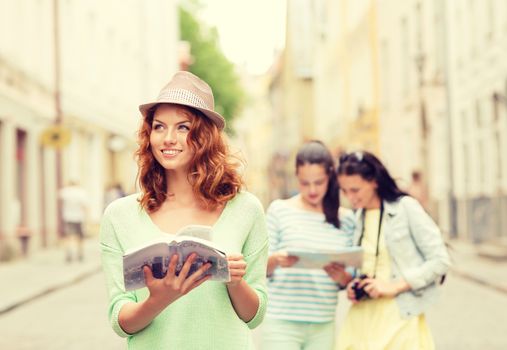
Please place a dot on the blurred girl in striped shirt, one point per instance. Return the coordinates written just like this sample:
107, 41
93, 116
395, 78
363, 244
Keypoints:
302, 302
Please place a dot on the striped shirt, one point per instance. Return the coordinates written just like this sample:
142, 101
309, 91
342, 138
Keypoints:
304, 295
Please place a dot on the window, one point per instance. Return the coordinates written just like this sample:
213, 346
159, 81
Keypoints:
21, 195
385, 73
498, 151
472, 29
405, 57
466, 155
439, 37
478, 117
491, 20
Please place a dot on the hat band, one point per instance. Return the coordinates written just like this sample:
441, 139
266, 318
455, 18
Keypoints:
183, 96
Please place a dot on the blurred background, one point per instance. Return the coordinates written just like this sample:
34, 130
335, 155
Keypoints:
421, 83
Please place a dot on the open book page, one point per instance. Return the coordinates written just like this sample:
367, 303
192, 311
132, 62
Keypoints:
157, 254
190, 232
350, 257
198, 242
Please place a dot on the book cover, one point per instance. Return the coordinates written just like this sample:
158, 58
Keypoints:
157, 254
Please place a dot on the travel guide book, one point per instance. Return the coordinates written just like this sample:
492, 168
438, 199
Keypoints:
350, 257
157, 254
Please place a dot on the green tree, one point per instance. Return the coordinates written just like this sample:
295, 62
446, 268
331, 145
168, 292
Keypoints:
210, 63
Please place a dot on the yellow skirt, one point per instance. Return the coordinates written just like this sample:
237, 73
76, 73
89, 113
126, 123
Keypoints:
377, 325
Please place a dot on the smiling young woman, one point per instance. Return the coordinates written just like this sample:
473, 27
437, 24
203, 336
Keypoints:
404, 257
186, 176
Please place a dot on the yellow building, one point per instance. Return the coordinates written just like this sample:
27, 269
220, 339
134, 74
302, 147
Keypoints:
328, 79
347, 75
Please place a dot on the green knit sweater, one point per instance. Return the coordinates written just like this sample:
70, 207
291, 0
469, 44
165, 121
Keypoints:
204, 318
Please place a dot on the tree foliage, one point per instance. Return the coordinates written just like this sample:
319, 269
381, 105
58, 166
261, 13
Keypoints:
210, 64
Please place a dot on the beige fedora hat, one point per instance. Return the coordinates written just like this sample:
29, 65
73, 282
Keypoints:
186, 89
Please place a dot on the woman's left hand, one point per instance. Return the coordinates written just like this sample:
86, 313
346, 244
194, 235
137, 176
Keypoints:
379, 288
237, 268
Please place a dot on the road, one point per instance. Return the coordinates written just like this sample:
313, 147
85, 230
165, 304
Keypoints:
72, 318
468, 317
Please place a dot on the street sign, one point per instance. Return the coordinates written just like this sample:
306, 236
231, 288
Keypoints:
56, 136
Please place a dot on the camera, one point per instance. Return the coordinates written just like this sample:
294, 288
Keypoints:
359, 292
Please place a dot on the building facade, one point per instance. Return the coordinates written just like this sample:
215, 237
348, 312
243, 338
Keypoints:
252, 139
477, 70
346, 82
85, 66
424, 85
414, 121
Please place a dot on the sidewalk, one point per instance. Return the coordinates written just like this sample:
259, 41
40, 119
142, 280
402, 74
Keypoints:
45, 271
469, 261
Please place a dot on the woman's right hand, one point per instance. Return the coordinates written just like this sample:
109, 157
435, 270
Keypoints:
282, 259
166, 290
285, 260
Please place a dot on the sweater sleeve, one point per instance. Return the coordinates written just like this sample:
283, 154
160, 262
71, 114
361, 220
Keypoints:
348, 224
255, 252
112, 265
429, 242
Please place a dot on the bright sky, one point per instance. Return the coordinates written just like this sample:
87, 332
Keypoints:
250, 31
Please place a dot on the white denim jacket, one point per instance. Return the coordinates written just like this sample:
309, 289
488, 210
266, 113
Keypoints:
417, 250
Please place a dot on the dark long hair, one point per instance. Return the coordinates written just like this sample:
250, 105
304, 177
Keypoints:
315, 152
370, 168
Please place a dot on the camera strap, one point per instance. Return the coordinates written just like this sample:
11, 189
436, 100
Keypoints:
363, 215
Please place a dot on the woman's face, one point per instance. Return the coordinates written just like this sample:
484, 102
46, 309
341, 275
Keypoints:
313, 182
168, 139
360, 192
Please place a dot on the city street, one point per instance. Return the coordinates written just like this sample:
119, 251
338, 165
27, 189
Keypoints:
468, 317
184, 105
72, 318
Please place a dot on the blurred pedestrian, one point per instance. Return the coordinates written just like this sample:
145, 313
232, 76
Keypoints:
74, 210
302, 302
186, 176
404, 259
113, 192
417, 189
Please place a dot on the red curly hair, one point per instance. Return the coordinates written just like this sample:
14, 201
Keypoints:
213, 174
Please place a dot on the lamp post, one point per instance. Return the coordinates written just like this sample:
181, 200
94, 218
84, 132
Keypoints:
501, 222
58, 111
